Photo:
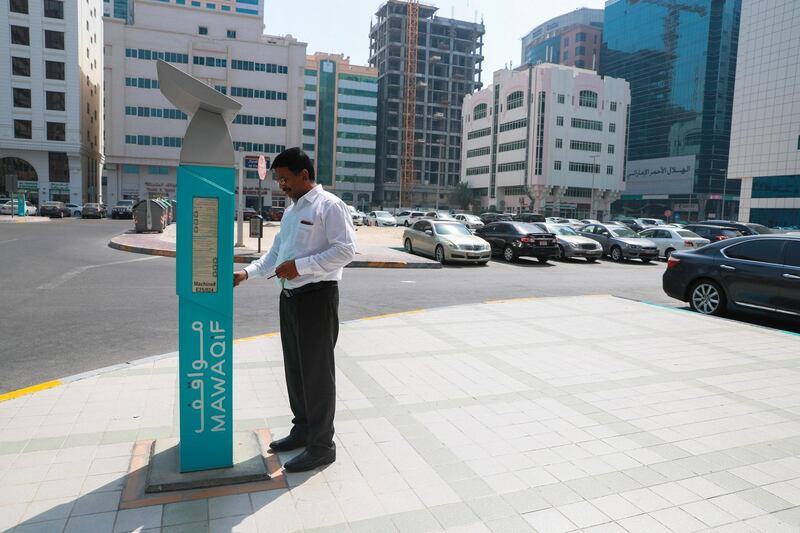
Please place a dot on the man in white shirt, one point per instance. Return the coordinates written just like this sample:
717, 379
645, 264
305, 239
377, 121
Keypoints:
315, 242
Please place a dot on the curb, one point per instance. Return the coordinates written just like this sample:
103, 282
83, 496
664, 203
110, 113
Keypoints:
249, 258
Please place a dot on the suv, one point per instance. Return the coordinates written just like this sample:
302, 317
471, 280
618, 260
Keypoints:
123, 209
745, 228
406, 217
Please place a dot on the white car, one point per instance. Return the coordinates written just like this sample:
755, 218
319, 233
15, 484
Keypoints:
439, 215
358, 220
10, 208
380, 218
470, 221
75, 209
670, 240
406, 217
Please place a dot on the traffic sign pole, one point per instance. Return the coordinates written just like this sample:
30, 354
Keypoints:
262, 173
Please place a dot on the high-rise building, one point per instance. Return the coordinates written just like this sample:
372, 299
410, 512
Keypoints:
546, 138
340, 126
572, 39
119, 9
51, 116
765, 139
680, 59
449, 56
225, 48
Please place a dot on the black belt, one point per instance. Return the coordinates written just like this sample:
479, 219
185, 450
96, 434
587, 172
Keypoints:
310, 287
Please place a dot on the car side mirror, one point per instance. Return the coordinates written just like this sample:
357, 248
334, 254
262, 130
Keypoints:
429, 232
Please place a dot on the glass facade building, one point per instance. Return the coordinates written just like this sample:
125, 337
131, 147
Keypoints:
680, 61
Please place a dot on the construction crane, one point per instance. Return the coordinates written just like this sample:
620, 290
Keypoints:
407, 176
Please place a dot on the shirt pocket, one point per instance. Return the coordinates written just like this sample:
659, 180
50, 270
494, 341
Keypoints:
303, 234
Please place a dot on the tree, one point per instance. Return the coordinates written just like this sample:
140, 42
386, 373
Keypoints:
461, 196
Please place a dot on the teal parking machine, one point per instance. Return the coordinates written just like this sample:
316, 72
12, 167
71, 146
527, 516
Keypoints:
21, 211
204, 270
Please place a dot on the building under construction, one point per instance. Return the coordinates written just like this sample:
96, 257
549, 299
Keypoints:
448, 67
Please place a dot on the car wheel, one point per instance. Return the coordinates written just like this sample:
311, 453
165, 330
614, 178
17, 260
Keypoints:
707, 298
616, 254
406, 224
483, 263
543, 259
60, 214
561, 255
509, 255
438, 254
591, 259
645, 261
76, 214
408, 247
668, 253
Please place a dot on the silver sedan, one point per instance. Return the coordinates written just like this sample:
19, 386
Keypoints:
571, 244
445, 241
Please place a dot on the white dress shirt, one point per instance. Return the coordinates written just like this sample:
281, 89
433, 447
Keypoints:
317, 233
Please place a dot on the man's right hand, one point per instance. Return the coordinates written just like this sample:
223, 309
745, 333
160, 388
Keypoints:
238, 277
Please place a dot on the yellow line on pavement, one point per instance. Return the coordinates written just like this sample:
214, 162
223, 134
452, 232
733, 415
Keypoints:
507, 300
256, 337
390, 315
30, 390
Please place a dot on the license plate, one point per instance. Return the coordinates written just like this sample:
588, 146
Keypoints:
541, 243
473, 256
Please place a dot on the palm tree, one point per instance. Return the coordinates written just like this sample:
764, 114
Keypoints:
461, 196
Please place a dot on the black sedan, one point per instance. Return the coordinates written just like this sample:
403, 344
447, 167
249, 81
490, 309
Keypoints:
54, 210
518, 239
755, 273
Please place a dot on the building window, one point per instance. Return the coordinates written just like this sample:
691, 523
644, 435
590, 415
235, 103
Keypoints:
477, 171
54, 9
22, 97
202, 30
613, 106
559, 121
479, 133
585, 146
580, 37
612, 127
231, 34
56, 131
559, 143
54, 70
580, 50
588, 99
479, 111
585, 124
566, 55
20, 35
566, 41
54, 39
556, 165
22, 129
610, 148
514, 100
798, 142
58, 166
513, 145
19, 6
580, 63
21, 66
609, 170
56, 101
509, 167
477, 152
584, 167
560, 98
513, 125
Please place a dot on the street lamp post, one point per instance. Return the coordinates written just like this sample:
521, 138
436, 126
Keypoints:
592, 212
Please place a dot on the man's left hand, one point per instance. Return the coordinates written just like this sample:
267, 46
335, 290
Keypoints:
287, 270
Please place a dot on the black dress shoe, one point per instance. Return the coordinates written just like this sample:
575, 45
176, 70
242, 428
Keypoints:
287, 444
308, 461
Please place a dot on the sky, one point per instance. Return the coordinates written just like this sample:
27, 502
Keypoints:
342, 27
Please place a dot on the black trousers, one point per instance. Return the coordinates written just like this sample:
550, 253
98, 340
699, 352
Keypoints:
309, 330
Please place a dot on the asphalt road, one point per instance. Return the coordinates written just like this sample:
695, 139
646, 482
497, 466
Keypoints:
70, 304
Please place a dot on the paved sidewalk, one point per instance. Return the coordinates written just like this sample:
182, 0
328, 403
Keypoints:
373, 250
549, 415
8, 219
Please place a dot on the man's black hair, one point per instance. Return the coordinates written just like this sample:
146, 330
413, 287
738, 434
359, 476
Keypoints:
296, 161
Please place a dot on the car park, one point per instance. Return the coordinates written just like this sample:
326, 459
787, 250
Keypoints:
92, 210
713, 233
620, 242
445, 240
11, 207
380, 218
745, 228
513, 240
759, 273
407, 217
470, 221
669, 240
123, 209
54, 210
571, 244
75, 210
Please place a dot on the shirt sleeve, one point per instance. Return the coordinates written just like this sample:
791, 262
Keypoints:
341, 236
266, 263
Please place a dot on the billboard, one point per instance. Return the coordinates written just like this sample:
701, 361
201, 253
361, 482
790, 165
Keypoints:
665, 175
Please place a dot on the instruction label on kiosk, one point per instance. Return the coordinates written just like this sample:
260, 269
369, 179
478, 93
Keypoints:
205, 258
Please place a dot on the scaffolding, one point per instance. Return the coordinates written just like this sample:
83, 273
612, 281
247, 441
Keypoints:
410, 104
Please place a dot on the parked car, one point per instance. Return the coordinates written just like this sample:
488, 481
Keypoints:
651, 221
492, 216
363, 216
380, 218
440, 215
470, 221
276, 213
636, 224
571, 244
92, 211
590, 221
621, 242
54, 210
75, 210
406, 217
756, 273
669, 240
247, 213
446, 240
528, 217
556, 220
745, 228
519, 239
358, 220
10, 207
123, 209
713, 233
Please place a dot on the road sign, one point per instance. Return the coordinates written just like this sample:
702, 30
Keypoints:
250, 162
667, 213
262, 167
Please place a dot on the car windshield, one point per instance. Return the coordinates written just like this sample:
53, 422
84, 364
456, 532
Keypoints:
758, 228
471, 218
528, 228
125, 202
560, 230
687, 234
451, 229
622, 232
382, 214
90, 205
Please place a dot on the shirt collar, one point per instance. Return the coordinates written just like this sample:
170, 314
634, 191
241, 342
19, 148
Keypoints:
311, 195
